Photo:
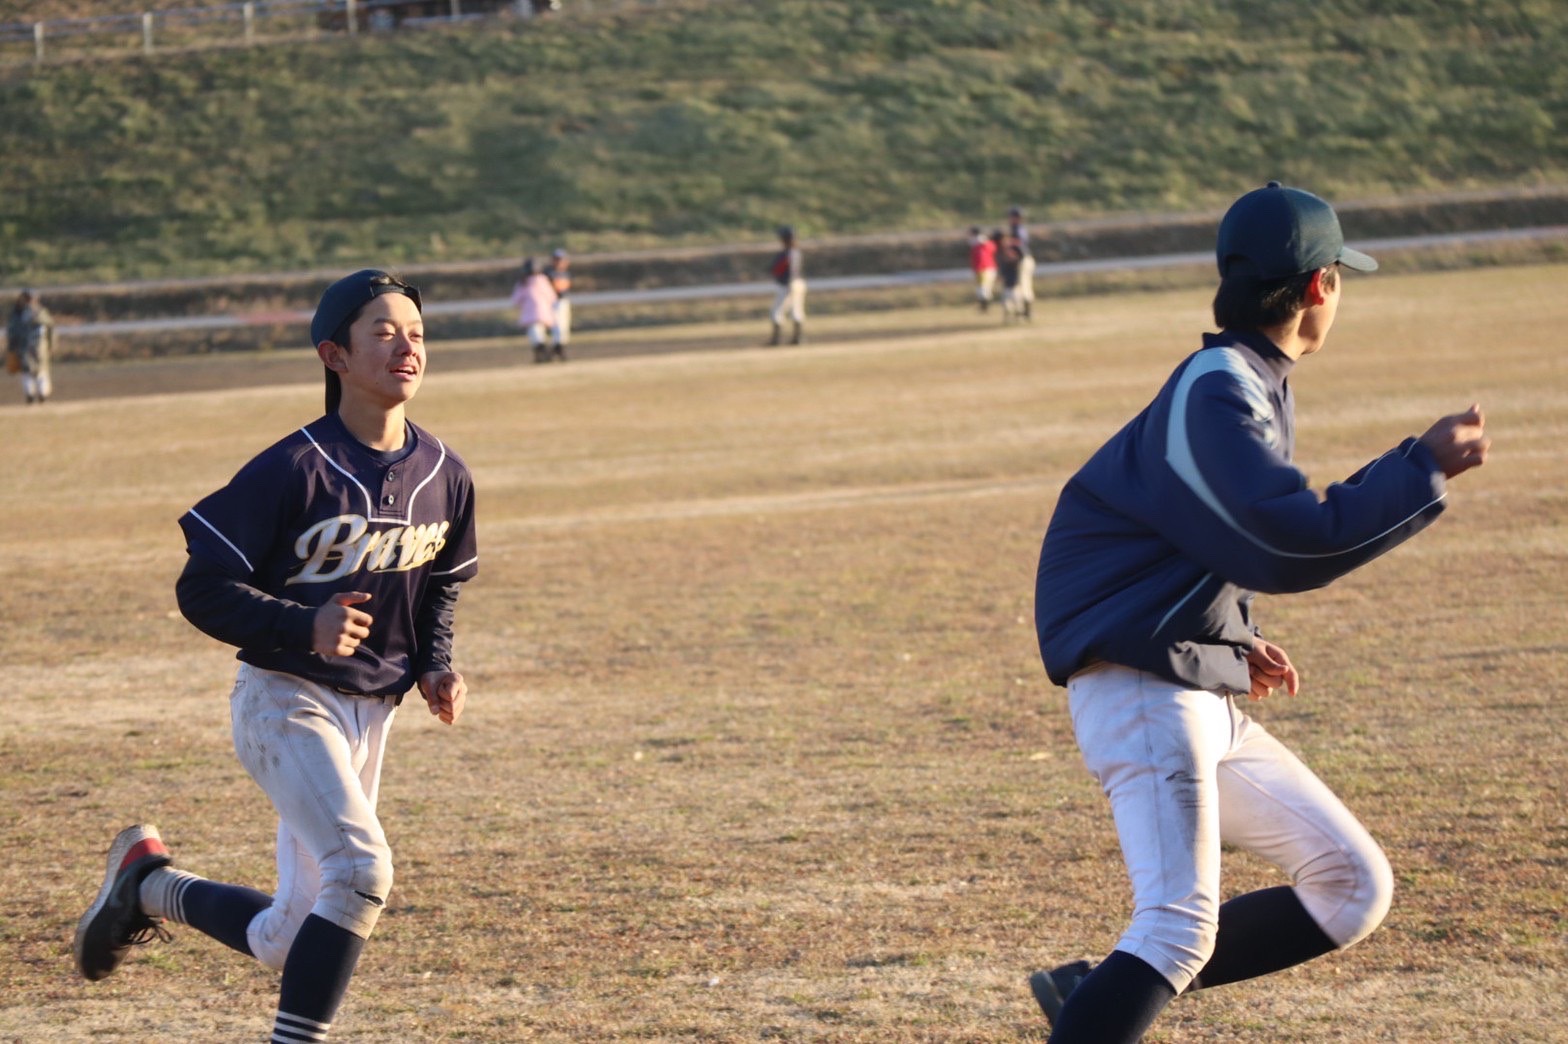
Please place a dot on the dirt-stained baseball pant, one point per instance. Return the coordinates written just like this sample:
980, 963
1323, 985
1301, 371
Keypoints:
317, 754
1186, 770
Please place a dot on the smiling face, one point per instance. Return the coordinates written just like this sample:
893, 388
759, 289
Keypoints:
384, 362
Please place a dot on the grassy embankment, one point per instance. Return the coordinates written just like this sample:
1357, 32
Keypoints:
701, 122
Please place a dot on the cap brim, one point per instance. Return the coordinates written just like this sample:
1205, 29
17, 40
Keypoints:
1357, 260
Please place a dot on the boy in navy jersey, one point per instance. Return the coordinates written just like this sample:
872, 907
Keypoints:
333, 561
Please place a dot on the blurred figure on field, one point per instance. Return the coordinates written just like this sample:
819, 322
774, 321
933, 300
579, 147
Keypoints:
534, 299
789, 273
1020, 233
29, 345
559, 272
1009, 267
982, 260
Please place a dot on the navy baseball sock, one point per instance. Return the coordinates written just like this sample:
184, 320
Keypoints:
1262, 932
1115, 1004
315, 976
219, 910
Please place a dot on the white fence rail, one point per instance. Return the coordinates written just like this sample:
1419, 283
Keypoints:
251, 22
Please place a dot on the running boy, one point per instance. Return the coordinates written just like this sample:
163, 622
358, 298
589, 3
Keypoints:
333, 561
1143, 604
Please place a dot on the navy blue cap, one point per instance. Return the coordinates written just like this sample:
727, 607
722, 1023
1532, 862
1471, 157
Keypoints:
1276, 232
351, 293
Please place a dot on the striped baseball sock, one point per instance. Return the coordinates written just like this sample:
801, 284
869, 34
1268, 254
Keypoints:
293, 1029
219, 910
316, 974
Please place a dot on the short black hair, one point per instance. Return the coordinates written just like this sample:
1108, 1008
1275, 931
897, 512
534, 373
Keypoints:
340, 337
1244, 303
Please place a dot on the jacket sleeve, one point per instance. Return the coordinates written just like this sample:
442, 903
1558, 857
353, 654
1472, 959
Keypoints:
1261, 525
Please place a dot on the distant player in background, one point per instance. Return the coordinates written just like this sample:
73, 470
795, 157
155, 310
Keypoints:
1009, 269
1023, 294
559, 272
982, 261
1143, 604
535, 300
788, 271
333, 561
30, 341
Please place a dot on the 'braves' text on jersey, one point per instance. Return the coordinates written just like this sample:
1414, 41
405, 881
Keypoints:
319, 514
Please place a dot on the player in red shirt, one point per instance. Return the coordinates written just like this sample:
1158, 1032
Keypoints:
982, 260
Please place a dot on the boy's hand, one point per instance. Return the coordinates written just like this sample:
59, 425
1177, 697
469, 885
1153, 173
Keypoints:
445, 693
1270, 668
1459, 441
338, 627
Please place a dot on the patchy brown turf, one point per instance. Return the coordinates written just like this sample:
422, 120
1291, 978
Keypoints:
759, 747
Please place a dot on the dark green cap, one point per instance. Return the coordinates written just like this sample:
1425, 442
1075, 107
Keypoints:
1276, 232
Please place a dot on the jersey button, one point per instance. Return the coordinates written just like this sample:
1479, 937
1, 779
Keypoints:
389, 499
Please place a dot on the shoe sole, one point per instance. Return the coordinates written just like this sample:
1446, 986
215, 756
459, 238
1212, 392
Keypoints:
124, 842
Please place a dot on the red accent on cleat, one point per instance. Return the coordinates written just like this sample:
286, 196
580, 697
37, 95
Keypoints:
145, 847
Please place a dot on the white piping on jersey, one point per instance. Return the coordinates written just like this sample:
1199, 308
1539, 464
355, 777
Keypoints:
433, 472
229, 543
370, 503
460, 565
1178, 448
1183, 600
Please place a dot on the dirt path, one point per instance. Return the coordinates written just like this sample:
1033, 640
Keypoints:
196, 373
78, 381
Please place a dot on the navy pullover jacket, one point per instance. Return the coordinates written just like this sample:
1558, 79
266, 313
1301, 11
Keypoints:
1159, 541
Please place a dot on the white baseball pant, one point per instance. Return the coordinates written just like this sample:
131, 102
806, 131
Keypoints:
790, 302
1026, 278
985, 285
317, 754
1187, 770
562, 331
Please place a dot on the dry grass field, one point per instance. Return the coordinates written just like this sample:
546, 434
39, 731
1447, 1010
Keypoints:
759, 746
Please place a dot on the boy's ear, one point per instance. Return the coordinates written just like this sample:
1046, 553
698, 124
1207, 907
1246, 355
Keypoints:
331, 354
1315, 294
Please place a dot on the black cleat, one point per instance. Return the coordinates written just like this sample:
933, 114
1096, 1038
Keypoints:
115, 922
1051, 988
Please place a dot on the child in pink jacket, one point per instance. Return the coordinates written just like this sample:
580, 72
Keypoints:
534, 298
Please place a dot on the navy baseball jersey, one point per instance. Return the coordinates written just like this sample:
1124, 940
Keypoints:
319, 514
